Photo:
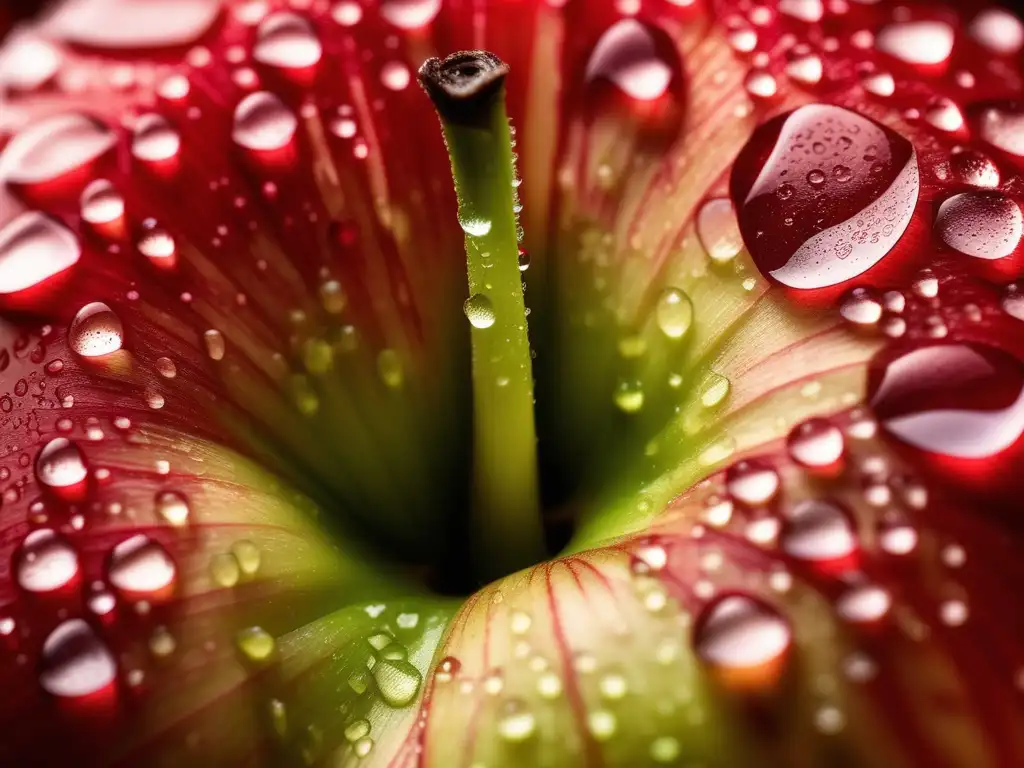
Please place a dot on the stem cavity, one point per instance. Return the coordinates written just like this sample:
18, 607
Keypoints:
467, 89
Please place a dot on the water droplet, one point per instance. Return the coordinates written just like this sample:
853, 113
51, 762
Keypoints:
395, 76
1002, 126
517, 722
479, 311
863, 603
48, 148
45, 562
74, 662
602, 724
961, 400
155, 139
158, 246
447, 669
256, 644
629, 396
613, 686
760, 84
286, 40
715, 390
130, 25
818, 531
665, 749
262, 122
173, 508
916, 42
549, 686
1013, 301
718, 230
861, 306
409, 14
347, 13
27, 62
839, 230
945, 116
33, 249
999, 31
752, 482
737, 632
471, 223
95, 331
806, 69
986, 225
897, 537
815, 443
974, 168
674, 313
224, 570
140, 566
213, 340
810, 11
61, 467
953, 613
101, 203
634, 57
878, 84
397, 680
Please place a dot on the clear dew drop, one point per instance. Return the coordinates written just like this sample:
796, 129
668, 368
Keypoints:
878, 84
665, 749
718, 231
409, 14
628, 55
140, 566
674, 313
972, 167
472, 224
752, 482
861, 307
986, 225
602, 724
347, 13
130, 25
921, 43
33, 249
224, 570
397, 680
287, 40
173, 508
47, 149
45, 562
806, 69
74, 662
27, 62
95, 331
738, 632
817, 530
158, 246
162, 643
256, 645
395, 76
248, 557
60, 466
154, 139
479, 311
1002, 126
760, 84
101, 203
262, 122
629, 396
815, 443
517, 722
1012, 301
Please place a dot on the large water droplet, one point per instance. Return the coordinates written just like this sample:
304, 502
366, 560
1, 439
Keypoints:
633, 56
397, 680
863, 603
974, 168
409, 14
674, 313
256, 644
74, 662
27, 62
815, 443
60, 467
45, 562
34, 248
154, 139
823, 194
263, 122
718, 230
479, 311
986, 225
818, 531
1002, 126
738, 632
962, 400
286, 39
140, 566
130, 24
998, 30
916, 42
95, 331
53, 146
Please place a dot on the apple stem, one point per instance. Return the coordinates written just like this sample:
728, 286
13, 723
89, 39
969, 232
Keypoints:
468, 91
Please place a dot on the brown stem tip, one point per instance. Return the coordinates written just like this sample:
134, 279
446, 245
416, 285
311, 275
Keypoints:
461, 85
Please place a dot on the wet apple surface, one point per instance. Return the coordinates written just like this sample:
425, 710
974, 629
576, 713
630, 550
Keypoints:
644, 389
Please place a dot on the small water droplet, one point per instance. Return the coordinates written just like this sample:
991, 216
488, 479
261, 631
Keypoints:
49, 148
33, 249
140, 566
752, 482
861, 306
224, 570
629, 396
718, 230
256, 644
863, 603
101, 203
61, 468
45, 562
674, 313
74, 662
922, 43
173, 508
815, 443
737, 632
213, 340
517, 723
409, 14
819, 531
397, 680
986, 225
154, 139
